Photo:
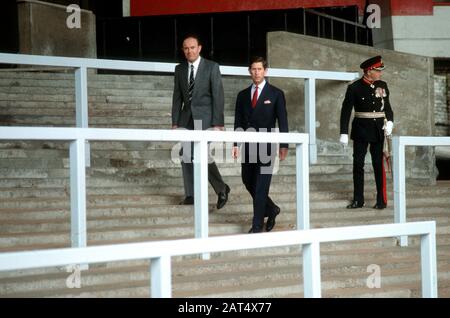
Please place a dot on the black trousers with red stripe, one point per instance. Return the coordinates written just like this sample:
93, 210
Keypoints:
359, 154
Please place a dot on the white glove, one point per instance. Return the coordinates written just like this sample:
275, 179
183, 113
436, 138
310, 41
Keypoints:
344, 139
388, 128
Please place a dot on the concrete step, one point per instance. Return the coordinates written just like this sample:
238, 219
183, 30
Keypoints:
389, 292
156, 217
98, 120
155, 151
123, 234
39, 148
220, 272
160, 223
166, 91
173, 185
16, 198
133, 191
285, 200
32, 182
35, 163
288, 283
126, 274
267, 287
102, 80
239, 193
248, 259
116, 236
340, 191
92, 282
120, 172
108, 234
163, 168
95, 114
116, 147
95, 104
340, 255
70, 105
43, 180
92, 91
159, 160
7, 96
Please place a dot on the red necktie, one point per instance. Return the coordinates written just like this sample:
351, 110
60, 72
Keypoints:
255, 97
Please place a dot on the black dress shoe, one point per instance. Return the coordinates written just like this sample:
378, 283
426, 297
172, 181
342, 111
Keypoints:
223, 197
255, 230
379, 206
187, 201
271, 220
355, 205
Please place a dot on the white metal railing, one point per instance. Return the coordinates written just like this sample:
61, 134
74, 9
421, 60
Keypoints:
160, 253
81, 90
398, 144
78, 136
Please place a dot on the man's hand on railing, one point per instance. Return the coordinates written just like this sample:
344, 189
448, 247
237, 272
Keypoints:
283, 153
218, 127
174, 126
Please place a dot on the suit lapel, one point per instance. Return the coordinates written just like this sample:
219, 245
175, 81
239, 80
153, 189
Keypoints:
200, 72
184, 77
248, 98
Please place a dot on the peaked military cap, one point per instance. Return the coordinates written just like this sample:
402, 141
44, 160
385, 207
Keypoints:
374, 63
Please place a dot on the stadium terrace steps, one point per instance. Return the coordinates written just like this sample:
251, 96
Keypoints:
133, 189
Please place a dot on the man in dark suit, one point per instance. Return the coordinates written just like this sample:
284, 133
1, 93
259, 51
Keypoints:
372, 121
198, 100
258, 107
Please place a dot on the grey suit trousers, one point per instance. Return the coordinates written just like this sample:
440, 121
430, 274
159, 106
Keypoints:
187, 155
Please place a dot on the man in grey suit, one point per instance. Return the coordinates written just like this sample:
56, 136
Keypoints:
198, 97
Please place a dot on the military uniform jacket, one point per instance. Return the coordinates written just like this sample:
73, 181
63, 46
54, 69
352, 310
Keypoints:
364, 97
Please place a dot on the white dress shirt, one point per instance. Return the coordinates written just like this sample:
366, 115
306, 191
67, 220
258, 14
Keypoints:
260, 88
196, 64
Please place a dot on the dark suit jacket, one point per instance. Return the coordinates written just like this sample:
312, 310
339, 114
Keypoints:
207, 102
364, 98
271, 106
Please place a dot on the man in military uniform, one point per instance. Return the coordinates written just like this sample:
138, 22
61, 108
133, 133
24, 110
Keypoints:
373, 120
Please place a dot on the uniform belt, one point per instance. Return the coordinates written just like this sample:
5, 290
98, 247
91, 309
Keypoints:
369, 115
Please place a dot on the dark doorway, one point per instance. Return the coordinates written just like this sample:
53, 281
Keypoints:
9, 27
443, 166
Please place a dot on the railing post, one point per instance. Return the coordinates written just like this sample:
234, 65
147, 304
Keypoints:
201, 190
302, 177
81, 97
311, 270
310, 117
78, 193
399, 185
82, 108
161, 277
428, 265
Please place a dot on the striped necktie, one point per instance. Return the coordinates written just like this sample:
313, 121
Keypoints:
191, 83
